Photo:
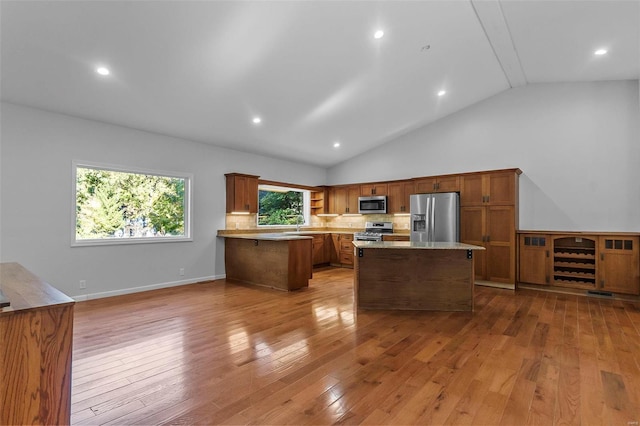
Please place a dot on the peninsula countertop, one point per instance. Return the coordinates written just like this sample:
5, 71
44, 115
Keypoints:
415, 245
273, 236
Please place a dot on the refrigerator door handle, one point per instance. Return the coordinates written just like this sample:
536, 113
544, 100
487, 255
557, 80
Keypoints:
432, 225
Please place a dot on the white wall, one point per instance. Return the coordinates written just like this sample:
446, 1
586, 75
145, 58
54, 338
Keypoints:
37, 148
578, 145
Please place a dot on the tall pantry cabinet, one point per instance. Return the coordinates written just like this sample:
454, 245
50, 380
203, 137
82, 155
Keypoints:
489, 218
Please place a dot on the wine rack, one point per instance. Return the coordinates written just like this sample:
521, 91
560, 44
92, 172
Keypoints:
574, 262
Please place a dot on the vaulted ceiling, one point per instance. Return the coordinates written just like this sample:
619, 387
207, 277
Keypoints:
311, 70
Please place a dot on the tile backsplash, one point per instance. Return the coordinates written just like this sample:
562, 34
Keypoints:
355, 222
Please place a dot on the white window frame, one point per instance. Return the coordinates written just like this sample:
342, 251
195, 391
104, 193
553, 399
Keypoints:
306, 204
188, 206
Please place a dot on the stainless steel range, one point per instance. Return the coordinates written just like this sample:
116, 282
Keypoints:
373, 231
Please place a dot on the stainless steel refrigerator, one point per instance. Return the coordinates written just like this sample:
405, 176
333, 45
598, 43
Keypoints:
435, 217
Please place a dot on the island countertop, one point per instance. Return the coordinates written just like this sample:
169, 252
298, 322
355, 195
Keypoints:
415, 245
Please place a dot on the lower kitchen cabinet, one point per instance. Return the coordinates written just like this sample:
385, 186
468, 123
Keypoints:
321, 249
534, 259
595, 262
342, 250
619, 264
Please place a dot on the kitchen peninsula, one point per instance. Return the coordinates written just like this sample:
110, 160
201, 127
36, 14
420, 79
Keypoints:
276, 260
414, 275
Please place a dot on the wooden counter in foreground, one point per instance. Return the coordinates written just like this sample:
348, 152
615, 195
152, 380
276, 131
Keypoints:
414, 276
278, 260
36, 336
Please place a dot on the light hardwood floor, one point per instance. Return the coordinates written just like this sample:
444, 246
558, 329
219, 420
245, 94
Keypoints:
226, 353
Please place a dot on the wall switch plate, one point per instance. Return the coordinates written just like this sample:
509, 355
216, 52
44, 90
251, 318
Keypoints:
83, 284
181, 271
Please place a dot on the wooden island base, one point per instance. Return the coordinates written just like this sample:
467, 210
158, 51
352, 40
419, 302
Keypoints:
36, 338
405, 276
280, 262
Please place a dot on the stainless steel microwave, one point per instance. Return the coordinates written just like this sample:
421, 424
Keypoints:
370, 205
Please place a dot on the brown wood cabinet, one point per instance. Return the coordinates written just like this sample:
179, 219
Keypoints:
396, 237
344, 199
534, 259
373, 189
321, 249
399, 196
242, 193
596, 262
318, 201
619, 264
36, 335
489, 188
342, 250
489, 218
448, 183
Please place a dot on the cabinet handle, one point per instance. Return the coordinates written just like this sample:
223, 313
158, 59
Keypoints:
601, 283
547, 256
546, 279
601, 256
488, 238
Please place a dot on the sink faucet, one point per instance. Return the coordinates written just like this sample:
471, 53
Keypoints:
298, 222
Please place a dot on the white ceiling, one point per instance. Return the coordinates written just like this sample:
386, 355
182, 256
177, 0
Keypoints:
201, 70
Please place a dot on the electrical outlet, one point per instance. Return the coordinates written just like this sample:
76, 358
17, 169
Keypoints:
83, 284
181, 271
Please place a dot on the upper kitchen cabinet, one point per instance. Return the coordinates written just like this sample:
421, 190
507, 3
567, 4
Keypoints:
319, 198
399, 196
497, 188
242, 193
373, 189
428, 185
344, 199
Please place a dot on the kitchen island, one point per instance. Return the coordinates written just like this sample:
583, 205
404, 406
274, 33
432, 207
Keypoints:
35, 350
281, 261
414, 276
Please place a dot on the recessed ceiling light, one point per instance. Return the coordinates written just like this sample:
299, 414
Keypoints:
336, 144
442, 93
103, 71
257, 120
600, 52
378, 34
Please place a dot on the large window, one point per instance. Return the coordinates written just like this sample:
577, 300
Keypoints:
278, 205
121, 205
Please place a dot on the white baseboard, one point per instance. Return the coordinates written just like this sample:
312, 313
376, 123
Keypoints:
84, 297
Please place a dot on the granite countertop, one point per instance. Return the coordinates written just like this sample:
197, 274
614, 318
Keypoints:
274, 236
415, 245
